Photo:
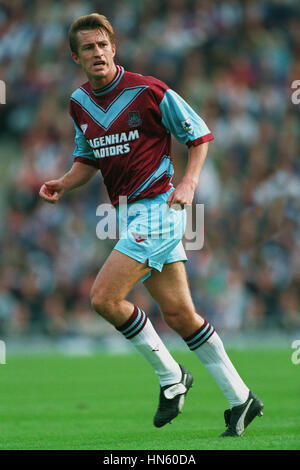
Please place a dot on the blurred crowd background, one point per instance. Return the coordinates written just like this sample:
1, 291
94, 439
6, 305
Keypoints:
234, 61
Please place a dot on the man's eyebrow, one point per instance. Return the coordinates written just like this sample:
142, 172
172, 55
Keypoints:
91, 43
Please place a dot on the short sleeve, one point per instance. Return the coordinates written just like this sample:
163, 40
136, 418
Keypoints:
83, 152
182, 121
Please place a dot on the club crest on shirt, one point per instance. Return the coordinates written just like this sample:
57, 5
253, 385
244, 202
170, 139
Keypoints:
187, 126
134, 119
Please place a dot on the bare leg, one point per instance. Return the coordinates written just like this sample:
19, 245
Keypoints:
116, 278
171, 291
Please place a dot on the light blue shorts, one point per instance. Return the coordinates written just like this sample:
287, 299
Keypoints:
150, 230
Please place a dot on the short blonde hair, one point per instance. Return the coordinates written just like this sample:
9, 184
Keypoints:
92, 21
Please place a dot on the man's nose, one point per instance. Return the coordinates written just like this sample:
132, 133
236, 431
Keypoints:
97, 51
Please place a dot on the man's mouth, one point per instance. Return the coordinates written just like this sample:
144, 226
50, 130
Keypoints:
99, 62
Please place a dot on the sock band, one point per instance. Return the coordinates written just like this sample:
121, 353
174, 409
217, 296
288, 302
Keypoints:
200, 336
134, 324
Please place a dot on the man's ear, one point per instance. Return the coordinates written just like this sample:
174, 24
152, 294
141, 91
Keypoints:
75, 58
114, 49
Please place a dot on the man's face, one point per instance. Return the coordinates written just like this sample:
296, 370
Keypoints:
96, 56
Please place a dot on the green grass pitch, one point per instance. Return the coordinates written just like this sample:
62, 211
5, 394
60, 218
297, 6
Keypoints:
108, 402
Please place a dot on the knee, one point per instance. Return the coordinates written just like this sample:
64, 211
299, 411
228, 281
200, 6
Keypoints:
172, 319
177, 318
102, 304
184, 321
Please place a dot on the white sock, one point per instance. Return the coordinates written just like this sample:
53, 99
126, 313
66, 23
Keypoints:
140, 332
209, 348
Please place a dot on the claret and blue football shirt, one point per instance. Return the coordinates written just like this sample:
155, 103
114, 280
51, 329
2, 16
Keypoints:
124, 130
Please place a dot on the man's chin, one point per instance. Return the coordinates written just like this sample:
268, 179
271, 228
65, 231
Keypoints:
99, 73
97, 76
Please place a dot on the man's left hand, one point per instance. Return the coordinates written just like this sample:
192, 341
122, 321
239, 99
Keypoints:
182, 195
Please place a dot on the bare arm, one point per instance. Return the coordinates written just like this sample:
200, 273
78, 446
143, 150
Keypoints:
79, 174
184, 192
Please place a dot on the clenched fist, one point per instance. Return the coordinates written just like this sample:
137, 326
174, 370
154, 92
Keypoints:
52, 191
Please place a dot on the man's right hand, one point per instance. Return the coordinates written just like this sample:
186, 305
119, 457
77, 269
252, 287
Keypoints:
52, 191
